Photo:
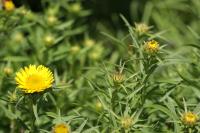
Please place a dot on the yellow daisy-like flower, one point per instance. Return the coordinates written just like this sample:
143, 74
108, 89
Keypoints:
9, 5
151, 47
34, 78
61, 128
189, 118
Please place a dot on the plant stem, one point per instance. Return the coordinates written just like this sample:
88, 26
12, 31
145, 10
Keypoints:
33, 128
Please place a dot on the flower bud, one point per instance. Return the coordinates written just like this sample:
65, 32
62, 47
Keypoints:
98, 106
18, 37
12, 96
118, 78
141, 28
75, 49
51, 20
126, 122
89, 42
151, 47
75, 8
49, 40
8, 70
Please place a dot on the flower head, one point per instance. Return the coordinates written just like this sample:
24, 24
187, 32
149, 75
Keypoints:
189, 118
61, 128
151, 47
9, 5
34, 78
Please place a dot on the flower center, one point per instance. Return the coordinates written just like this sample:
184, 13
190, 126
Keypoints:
190, 118
61, 129
34, 81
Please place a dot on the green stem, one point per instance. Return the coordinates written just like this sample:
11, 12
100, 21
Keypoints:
33, 128
114, 95
189, 130
12, 126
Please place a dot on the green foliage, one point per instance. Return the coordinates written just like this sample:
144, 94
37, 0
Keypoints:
106, 81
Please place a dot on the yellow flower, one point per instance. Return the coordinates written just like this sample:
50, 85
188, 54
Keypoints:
126, 122
189, 118
34, 78
61, 128
141, 28
9, 5
151, 47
